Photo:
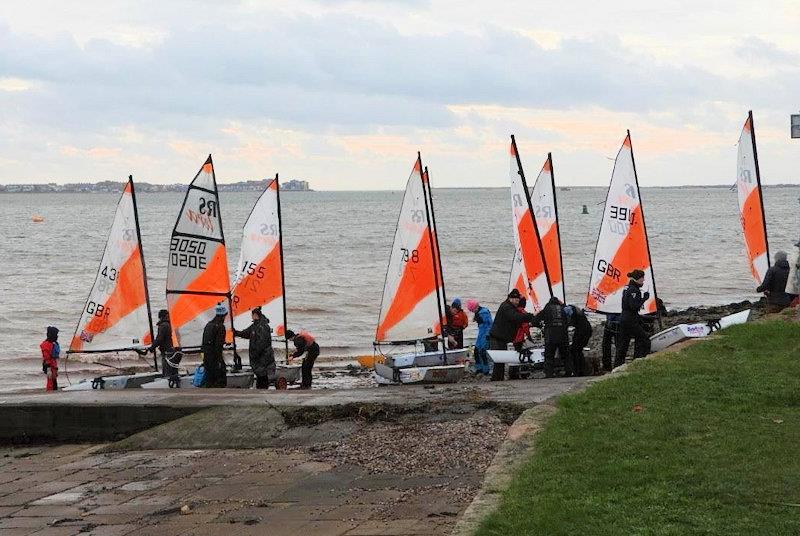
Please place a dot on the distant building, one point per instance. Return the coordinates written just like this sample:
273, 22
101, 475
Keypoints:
295, 185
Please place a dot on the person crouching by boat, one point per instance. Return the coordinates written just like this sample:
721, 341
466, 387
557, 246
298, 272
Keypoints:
506, 323
484, 320
163, 343
576, 318
774, 284
213, 341
262, 357
553, 321
304, 343
456, 324
51, 352
524, 331
630, 322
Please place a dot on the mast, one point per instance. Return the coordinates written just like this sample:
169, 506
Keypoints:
530, 210
236, 359
433, 254
558, 223
646, 238
144, 268
438, 264
758, 182
283, 275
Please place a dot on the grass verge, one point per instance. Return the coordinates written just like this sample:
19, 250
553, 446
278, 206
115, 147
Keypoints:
704, 441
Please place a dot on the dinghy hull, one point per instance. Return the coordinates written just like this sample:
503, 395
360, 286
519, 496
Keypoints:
122, 381
682, 332
410, 375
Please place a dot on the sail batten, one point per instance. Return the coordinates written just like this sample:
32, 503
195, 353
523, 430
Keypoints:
622, 244
751, 202
197, 270
259, 279
529, 270
116, 315
411, 306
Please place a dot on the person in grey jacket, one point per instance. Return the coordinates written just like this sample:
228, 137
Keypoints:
774, 284
262, 357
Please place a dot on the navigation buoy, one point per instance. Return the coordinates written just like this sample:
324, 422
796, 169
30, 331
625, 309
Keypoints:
37, 219
585, 210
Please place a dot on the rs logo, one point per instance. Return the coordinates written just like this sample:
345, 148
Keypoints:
208, 207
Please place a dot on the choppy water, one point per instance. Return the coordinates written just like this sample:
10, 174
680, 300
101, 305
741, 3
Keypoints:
337, 246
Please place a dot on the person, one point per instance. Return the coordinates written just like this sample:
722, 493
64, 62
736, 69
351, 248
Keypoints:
576, 318
163, 342
524, 330
262, 357
51, 351
630, 323
504, 328
484, 320
213, 341
774, 284
556, 338
610, 330
305, 343
456, 324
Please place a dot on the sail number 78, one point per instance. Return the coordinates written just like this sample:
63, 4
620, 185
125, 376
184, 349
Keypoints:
410, 255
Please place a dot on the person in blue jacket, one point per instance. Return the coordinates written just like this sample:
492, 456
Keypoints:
484, 320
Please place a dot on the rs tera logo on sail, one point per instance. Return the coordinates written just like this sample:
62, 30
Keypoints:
207, 209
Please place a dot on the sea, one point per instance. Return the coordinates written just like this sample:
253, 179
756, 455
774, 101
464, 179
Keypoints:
337, 247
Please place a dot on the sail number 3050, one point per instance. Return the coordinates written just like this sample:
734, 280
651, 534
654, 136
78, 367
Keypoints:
187, 253
411, 255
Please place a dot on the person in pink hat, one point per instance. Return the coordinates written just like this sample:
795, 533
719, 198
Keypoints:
484, 320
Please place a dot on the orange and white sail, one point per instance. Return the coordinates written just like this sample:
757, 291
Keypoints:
622, 245
117, 312
411, 307
259, 278
197, 271
751, 203
529, 271
545, 210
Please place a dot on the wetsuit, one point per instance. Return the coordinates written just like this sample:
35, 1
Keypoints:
610, 329
504, 329
305, 343
630, 324
456, 326
163, 342
556, 338
262, 357
580, 336
214, 363
51, 351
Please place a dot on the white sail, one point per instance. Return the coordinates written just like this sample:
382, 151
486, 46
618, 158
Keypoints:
409, 309
622, 244
197, 271
259, 278
117, 312
545, 209
751, 208
528, 272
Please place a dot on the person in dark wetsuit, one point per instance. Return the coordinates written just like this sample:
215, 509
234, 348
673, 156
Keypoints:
630, 322
774, 284
213, 341
580, 337
163, 343
556, 338
262, 357
305, 343
504, 328
610, 330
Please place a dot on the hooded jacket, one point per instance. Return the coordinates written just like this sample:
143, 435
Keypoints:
774, 283
484, 320
507, 321
262, 358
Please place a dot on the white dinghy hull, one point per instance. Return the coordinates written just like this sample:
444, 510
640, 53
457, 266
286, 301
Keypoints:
682, 332
402, 376
122, 381
512, 357
236, 380
426, 359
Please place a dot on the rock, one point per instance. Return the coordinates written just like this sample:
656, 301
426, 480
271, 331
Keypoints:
185, 509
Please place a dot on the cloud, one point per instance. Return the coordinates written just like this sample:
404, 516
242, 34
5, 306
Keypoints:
759, 50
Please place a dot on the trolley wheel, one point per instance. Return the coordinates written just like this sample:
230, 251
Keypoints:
281, 384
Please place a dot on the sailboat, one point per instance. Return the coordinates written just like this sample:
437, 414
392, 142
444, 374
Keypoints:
530, 273
751, 203
197, 272
260, 278
412, 307
116, 316
622, 244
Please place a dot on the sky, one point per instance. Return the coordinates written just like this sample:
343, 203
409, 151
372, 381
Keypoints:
343, 93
